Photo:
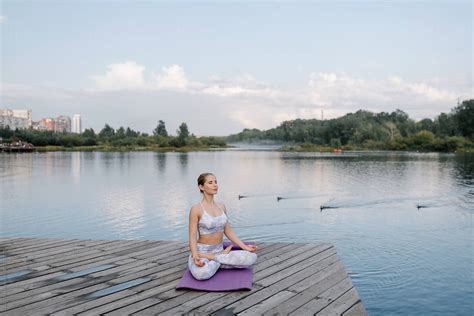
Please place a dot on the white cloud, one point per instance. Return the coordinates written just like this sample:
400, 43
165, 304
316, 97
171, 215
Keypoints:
121, 76
342, 92
3, 19
221, 106
172, 77
244, 85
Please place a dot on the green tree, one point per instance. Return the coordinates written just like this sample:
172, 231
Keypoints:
107, 132
120, 132
464, 118
444, 125
88, 133
426, 124
183, 132
160, 129
131, 133
183, 136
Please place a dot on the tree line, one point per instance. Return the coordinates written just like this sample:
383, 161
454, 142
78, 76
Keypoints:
364, 129
110, 137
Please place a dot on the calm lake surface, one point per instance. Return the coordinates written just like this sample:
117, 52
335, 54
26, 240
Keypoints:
403, 260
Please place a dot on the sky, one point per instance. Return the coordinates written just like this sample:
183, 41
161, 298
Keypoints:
222, 67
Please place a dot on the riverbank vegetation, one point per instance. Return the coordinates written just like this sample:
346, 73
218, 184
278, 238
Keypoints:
448, 132
362, 130
110, 139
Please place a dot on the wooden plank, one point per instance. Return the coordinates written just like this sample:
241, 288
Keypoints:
48, 286
288, 278
233, 297
36, 289
266, 304
112, 300
356, 310
128, 297
187, 302
321, 301
20, 287
307, 294
142, 300
119, 245
68, 307
276, 258
77, 255
14, 249
38, 247
282, 251
290, 266
27, 242
309, 282
45, 253
27, 284
42, 275
190, 296
341, 304
135, 265
169, 302
18, 241
58, 243
293, 274
72, 294
10, 239
20, 263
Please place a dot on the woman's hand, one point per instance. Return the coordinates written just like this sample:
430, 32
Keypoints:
251, 248
198, 262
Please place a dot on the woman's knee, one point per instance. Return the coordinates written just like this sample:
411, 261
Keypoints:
205, 272
237, 258
201, 274
252, 258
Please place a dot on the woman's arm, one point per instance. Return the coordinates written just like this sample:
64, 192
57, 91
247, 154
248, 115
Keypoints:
233, 237
193, 224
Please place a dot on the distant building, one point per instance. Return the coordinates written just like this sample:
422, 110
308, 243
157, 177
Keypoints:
15, 118
46, 124
76, 124
62, 124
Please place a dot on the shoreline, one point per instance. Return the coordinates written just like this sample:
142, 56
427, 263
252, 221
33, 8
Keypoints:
127, 149
284, 148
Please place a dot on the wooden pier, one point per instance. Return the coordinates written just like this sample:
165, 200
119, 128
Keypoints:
121, 277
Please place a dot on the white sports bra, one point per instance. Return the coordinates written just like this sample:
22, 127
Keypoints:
209, 224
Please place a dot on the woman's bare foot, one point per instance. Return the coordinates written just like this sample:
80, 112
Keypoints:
207, 255
211, 256
227, 250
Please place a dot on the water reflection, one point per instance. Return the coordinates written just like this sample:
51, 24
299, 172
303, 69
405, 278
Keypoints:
183, 163
161, 161
107, 159
183, 159
76, 165
124, 208
124, 160
16, 165
464, 166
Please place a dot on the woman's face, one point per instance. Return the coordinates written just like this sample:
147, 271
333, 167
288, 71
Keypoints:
210, 185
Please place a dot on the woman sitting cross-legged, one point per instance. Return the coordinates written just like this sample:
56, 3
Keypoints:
207, 226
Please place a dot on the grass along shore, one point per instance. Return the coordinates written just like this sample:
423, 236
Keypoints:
108, 148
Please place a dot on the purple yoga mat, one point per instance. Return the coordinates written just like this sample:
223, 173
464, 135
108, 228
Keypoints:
223, 280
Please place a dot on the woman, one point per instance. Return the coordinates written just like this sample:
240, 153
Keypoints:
209, 219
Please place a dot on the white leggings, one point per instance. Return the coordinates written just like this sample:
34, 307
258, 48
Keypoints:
234, 259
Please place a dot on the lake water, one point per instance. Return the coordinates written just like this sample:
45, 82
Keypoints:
403, 260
